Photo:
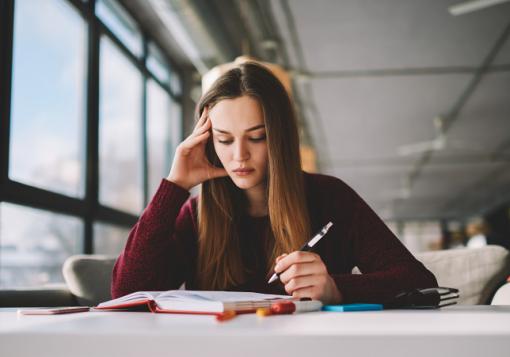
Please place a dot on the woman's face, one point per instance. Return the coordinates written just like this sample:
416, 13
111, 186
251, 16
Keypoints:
239, 137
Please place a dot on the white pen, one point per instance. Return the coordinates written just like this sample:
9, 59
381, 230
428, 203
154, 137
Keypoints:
308, 246
308, 305
295, 306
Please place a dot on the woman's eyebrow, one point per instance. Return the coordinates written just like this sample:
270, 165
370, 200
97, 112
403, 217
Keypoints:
250, 129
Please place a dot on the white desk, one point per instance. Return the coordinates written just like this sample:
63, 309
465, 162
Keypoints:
455, 331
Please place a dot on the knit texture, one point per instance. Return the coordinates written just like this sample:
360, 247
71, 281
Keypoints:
161, 252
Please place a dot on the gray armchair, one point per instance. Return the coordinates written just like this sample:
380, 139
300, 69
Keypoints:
37, 297
88, 278
477, 273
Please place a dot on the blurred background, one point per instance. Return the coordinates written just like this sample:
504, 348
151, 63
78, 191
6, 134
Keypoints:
408, 101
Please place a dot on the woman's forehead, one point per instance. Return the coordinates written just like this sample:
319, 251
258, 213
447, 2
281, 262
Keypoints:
236, 114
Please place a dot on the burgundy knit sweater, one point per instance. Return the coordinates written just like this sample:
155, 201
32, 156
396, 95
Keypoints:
161, 251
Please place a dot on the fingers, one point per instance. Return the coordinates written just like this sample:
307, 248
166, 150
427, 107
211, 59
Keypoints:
322, 288
203, 120
194, 140
301, 270
200, 133
307, 292
305, 275
278, 258
202, 128
216, 172
293, 258
301, 282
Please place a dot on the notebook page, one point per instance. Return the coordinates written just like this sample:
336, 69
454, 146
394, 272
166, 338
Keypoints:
136, 296
192, 301
225, 296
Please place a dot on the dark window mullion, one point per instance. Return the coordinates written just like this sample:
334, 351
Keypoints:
81, 7
6, 42
89, 209
139, 63
113, 216
165, 86
26, 195
104, 30
92, 133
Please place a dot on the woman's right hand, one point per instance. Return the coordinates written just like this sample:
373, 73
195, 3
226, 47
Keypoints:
191, 166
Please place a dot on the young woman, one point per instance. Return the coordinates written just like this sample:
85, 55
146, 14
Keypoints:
255, 210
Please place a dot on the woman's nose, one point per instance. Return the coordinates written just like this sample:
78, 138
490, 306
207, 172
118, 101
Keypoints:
241, 152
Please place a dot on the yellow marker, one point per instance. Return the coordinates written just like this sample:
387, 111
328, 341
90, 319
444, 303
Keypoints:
263, 311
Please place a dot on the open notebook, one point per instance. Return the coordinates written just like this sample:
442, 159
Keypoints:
193, 302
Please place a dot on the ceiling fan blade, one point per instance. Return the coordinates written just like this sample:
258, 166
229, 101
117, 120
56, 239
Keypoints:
473, 5
421, 147
467, 147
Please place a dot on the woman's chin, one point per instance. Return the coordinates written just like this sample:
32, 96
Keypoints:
244, 183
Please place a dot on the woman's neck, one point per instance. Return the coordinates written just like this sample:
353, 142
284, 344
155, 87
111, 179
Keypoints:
257, 201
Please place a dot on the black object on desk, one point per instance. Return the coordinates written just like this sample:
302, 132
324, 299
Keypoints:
428, 298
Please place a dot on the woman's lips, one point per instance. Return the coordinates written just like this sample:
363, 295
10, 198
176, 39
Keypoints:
243, 172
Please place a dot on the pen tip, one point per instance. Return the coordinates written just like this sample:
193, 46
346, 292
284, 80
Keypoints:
273, 278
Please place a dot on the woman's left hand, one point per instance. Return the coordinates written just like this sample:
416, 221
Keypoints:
305, 275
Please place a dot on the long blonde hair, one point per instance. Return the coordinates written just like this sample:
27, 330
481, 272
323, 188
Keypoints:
221, 203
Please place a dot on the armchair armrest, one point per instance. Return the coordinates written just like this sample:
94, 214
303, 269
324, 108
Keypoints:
37, 297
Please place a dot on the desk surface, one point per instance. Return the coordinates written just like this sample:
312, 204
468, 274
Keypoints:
458, 330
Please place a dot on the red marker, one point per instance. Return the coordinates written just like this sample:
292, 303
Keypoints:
289, 307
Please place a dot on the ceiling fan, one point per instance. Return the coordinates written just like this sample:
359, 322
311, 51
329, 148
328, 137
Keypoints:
439, 143
473, 5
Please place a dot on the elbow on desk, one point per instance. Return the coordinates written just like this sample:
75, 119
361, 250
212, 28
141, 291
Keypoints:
120, 284
427, 279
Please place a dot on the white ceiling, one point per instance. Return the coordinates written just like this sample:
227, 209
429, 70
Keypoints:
371, 76
378, 72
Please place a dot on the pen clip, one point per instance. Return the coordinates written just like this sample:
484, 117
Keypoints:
319, 235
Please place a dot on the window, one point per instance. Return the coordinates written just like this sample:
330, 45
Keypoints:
59, 95
34, 244
419, 236
157, 64
160, 69
109, 239
394, 228
175, 128
47, 117
120, 128
158, 134
121, 24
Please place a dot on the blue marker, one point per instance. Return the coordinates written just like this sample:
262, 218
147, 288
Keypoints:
353, 307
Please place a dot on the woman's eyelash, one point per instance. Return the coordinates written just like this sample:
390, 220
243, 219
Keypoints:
261, 138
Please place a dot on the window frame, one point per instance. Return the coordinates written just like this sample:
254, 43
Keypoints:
88, 208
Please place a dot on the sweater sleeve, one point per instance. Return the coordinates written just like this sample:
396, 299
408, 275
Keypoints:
157, 251
387, 267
